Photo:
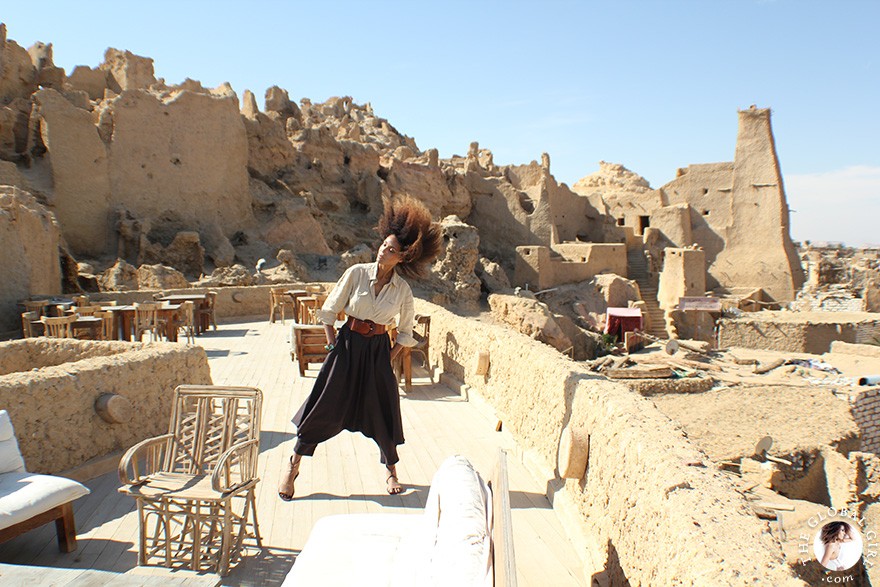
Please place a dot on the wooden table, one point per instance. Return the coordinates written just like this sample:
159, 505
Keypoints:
123, 320
196, 298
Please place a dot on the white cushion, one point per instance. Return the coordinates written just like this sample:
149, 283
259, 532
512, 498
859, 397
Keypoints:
10, 455
24, 495
352, 549
459, 502
449, 545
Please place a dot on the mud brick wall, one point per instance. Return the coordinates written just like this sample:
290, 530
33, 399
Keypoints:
642, 513
53, 408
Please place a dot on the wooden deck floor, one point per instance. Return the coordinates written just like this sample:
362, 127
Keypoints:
344, 476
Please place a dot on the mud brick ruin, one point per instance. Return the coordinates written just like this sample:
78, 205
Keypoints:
115, 183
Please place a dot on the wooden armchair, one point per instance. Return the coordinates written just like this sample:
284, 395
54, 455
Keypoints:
196, 491
60, 327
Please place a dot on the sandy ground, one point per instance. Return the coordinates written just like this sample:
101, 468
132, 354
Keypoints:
727, 422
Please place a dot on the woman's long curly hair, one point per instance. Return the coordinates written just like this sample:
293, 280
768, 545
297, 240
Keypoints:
420, 238
831, 530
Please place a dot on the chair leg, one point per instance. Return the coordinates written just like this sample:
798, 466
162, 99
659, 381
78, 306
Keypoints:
65, 527
225, 541
253, 501
142, 535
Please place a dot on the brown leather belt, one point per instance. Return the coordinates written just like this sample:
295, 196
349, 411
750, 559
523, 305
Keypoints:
365, 327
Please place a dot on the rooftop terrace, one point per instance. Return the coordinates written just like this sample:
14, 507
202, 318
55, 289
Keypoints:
344, 476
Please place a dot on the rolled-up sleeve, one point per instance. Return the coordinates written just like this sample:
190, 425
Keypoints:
405, 326
338, 298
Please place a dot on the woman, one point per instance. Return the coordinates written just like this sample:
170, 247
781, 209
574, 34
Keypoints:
838, 556
356, 389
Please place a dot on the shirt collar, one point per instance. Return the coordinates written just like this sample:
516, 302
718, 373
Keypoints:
374, 270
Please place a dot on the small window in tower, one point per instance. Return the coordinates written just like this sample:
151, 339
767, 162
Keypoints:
705, 191
705, 212
620, 221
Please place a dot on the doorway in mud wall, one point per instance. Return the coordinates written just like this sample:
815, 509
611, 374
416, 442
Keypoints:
644, 222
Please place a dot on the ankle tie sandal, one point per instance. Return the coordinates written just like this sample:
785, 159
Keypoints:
392, 485
285, 488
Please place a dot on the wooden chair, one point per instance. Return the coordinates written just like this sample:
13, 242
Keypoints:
108, 325
308, 307
38, 306
308, 345
206, 311
188, 321
80, 300
27, 323
58, 327
86, 310
422, 334
278, 299
146, 319
403, 364
196, 491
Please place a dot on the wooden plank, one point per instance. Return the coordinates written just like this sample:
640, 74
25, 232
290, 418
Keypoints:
639, 373
502, 527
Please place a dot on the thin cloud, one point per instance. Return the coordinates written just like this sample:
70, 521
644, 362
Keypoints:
841, 205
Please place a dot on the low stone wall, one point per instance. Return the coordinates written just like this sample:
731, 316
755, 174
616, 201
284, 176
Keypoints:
798, 332
53, 408
654, 507
36, 353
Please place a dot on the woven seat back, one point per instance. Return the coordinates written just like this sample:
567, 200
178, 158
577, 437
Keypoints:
207, 420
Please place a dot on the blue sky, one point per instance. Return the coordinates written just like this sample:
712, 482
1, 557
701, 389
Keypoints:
654, 85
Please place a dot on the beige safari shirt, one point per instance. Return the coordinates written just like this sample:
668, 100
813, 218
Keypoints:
354, 294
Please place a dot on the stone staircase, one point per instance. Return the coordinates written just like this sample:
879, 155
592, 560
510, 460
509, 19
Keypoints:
637, 269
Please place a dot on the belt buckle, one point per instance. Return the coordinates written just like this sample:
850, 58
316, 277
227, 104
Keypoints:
372, 326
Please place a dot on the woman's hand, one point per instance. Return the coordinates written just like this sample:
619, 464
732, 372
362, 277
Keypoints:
330, 334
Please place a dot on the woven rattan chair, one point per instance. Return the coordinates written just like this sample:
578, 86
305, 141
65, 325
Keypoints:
195, 493
60, 327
